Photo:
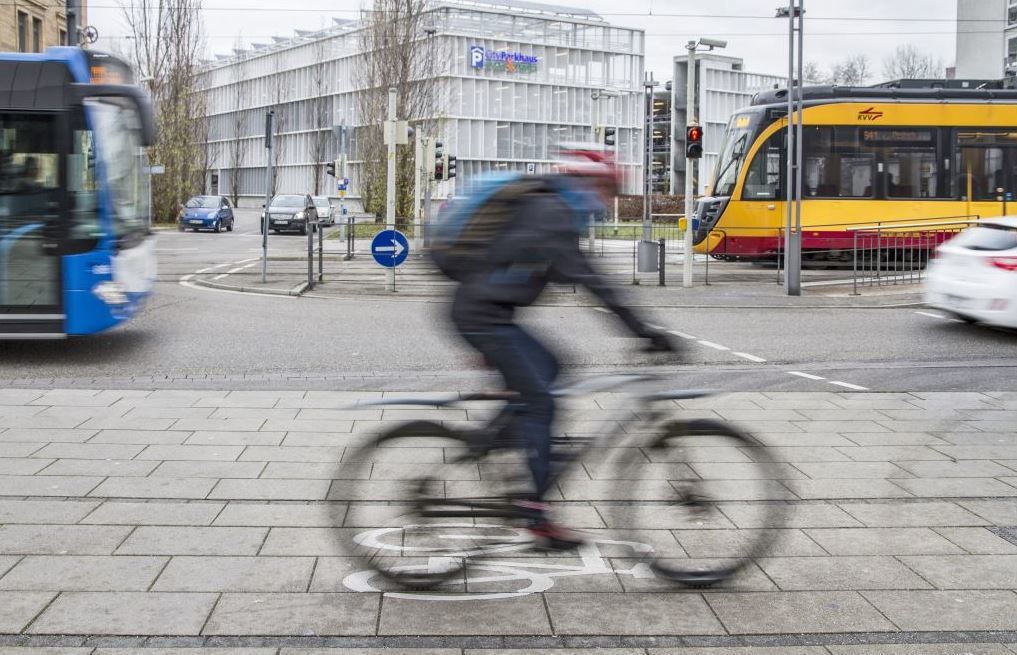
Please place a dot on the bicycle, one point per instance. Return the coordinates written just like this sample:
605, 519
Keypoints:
426, 469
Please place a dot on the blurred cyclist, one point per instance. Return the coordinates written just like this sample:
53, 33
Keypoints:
519, 235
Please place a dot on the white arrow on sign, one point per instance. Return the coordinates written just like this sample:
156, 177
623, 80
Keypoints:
396, 248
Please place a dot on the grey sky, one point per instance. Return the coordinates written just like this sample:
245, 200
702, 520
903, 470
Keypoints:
834, 28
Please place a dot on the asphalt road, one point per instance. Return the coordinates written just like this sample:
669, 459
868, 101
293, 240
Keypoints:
188, 331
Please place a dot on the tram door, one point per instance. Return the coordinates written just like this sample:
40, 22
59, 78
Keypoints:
987, 170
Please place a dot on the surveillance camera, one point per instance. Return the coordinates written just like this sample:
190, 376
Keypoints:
713, 43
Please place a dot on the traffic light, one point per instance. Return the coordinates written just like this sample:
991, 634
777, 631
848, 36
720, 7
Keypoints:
609, 133
330, 168
693, 142
449, 167
439, 162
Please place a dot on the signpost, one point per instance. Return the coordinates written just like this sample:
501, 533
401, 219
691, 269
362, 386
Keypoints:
390, 248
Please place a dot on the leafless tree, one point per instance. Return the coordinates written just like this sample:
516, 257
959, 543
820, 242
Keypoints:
238, 126
398, 52
852, 71
321, 111
166, 41
813, 74
282, 91
908, 62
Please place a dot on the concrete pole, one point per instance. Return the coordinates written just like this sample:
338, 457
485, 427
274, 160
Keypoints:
690, 205
418, 172
390, 185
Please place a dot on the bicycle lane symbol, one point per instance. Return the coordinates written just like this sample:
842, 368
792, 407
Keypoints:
537, 575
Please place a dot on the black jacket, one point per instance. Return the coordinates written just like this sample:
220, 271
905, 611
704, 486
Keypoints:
541, 245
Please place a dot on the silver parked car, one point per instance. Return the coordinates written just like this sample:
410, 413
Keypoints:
326, 210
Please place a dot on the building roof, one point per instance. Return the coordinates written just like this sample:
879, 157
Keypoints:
540, 7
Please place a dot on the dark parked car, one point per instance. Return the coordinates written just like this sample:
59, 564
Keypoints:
291, 213
206, 213
326, 210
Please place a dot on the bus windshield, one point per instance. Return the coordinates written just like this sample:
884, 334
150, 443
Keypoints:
118, 130
739, 136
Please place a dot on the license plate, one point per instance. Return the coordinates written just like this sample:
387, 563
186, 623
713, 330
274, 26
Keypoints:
197, 222
280, 222
957, 301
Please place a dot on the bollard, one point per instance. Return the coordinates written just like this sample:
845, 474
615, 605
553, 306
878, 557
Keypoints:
310, 255
660, 265
349, 238
321, 254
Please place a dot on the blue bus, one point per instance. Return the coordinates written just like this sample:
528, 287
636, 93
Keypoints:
77, 254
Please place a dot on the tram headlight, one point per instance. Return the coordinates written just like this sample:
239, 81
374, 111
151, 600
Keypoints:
111, 293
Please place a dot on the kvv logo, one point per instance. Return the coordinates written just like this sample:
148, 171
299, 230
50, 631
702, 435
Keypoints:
477, 56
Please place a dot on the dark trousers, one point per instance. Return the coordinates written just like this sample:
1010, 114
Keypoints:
529, 369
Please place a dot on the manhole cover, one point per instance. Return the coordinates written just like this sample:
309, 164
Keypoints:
1007, 532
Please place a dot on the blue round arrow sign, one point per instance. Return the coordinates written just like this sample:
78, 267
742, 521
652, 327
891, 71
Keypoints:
390, 248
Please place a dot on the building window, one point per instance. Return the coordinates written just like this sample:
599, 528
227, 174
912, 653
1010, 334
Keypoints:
36, 35
63, 37
22, 32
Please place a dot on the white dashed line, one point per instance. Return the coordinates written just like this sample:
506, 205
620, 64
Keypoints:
219, 277
604, 310
710, 344
848, 385
751, 358
238, 269
807, 376
683, 335
655, 327
931, 315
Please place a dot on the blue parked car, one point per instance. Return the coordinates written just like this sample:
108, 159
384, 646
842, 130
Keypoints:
206, 213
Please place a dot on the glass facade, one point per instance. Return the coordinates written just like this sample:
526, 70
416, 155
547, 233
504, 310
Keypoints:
507, 88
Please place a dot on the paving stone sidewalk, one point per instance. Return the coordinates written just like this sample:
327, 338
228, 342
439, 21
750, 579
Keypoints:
153, 520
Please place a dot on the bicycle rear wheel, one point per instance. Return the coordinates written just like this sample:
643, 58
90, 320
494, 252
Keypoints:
410, 527
681, 478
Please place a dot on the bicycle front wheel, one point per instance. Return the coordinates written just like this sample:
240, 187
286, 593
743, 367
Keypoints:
408, 525
712, 486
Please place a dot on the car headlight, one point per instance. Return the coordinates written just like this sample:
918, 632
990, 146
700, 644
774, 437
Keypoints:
299, 216
111, 293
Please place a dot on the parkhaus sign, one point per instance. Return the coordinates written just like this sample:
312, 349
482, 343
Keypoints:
501, 60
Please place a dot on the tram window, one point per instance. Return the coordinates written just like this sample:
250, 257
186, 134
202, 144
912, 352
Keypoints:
835, 165
911, 173
979, 173
762, 179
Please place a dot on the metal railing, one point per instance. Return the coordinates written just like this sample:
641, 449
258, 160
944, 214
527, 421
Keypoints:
899, 253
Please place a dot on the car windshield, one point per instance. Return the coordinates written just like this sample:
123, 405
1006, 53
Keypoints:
203, 202
288, 201
988, 237
321, 202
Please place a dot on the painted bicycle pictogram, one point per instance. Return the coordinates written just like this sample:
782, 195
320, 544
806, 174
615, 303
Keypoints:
533, 574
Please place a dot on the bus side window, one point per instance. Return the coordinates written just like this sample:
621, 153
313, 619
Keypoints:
762, 179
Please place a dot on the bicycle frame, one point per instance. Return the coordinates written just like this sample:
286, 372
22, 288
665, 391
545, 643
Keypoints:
487, 437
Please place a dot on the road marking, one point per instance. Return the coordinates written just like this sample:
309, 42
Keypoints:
602, 309
751, 358
807, 376
683, 335
931, 315
655, 327
219, 277
252, 259
848, 385
238, 269
710, 344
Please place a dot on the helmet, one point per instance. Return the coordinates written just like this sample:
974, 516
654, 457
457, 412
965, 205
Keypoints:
591, 161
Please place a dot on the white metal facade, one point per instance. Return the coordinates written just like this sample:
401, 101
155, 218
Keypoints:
493, 118
722, 88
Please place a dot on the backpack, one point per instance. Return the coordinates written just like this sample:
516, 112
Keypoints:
468, 228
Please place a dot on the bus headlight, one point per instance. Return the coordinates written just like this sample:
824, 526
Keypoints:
111, 293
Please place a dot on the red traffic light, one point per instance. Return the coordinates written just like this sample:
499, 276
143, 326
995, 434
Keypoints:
694, 134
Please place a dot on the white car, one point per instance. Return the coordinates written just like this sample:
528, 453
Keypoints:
974, 275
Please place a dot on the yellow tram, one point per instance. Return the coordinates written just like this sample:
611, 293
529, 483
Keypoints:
871, 155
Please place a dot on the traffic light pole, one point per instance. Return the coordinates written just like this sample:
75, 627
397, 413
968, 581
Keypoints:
690, 205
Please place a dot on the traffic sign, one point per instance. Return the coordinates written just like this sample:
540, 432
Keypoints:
390, 248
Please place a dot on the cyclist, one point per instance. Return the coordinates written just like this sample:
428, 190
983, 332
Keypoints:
531, 232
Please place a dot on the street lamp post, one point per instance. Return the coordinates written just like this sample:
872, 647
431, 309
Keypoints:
793, 222
690, 119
